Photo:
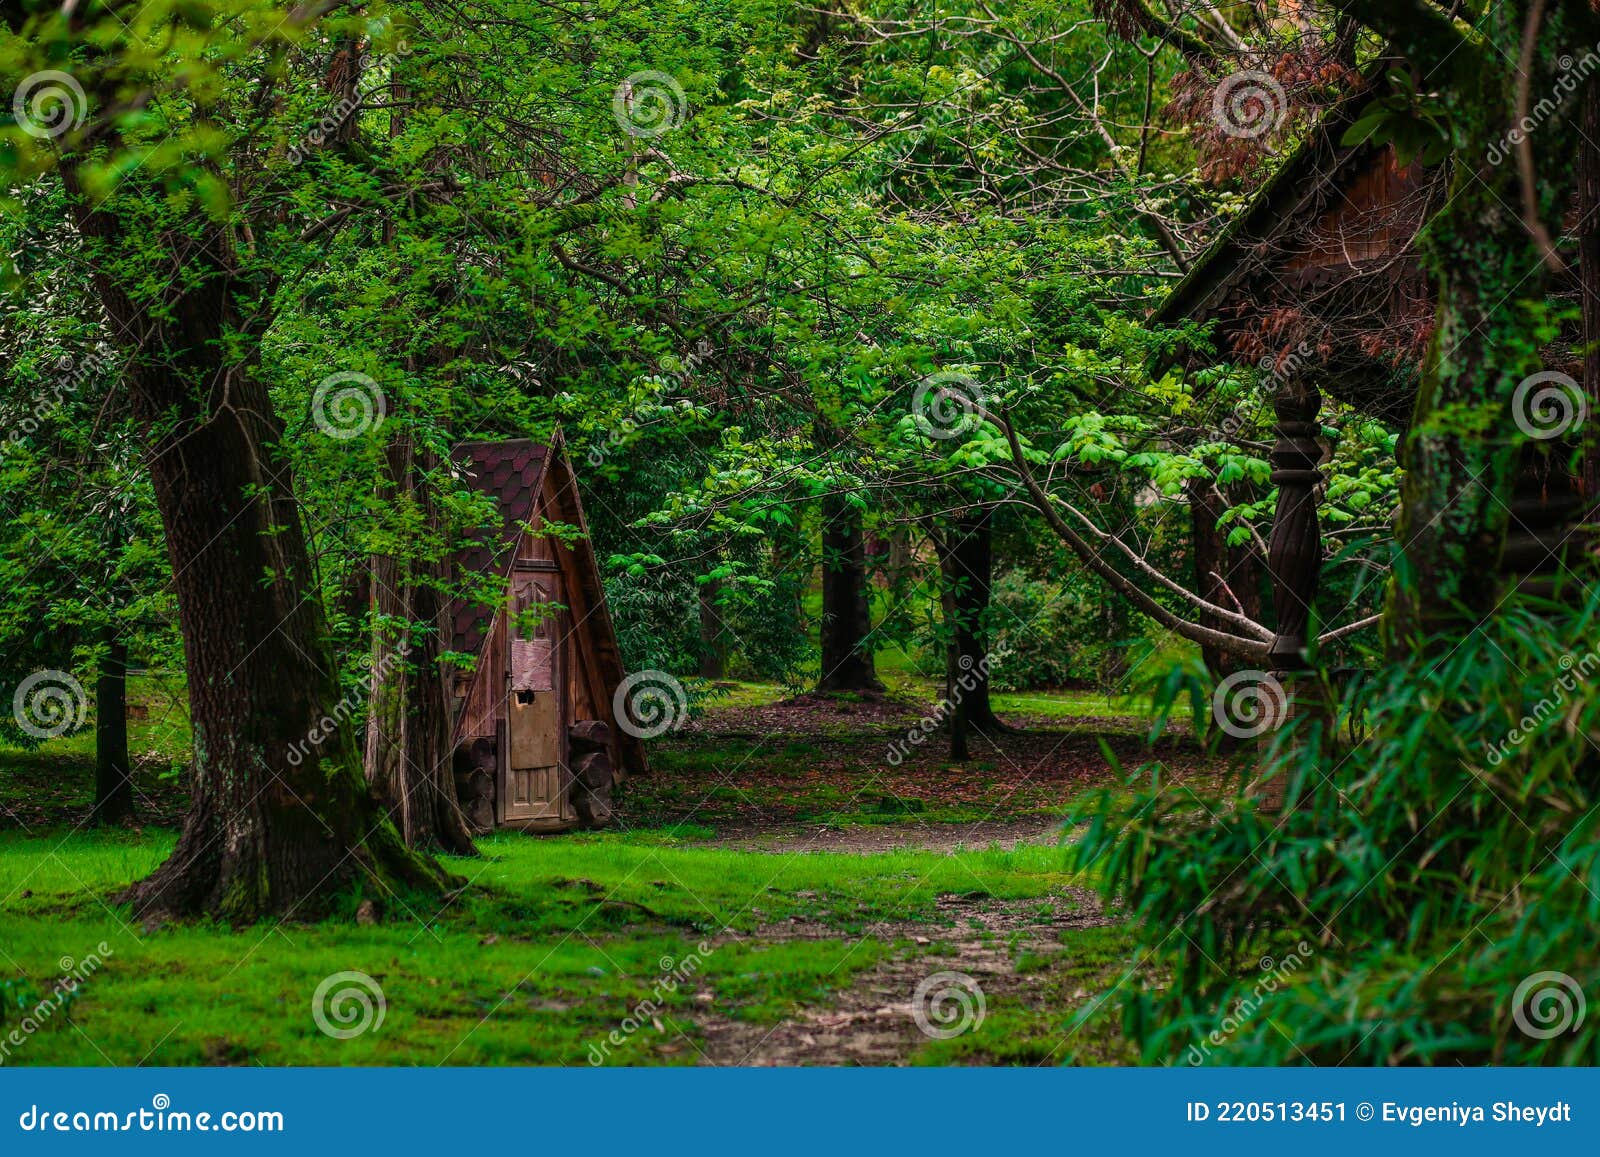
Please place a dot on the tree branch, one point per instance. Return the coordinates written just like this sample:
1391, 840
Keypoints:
1421, 32
1245, 648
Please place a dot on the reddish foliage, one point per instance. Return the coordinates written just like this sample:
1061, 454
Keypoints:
1238, 122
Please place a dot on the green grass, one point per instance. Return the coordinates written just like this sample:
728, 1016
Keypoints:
920, 690
552, 947
57, 778
556, 941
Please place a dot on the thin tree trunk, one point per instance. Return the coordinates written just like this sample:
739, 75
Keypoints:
880, 553
713, 634
847, 663
409, 756
1222, 573
1114, 628
960, 750
1589, 273
901, 559
113, 779
966, 560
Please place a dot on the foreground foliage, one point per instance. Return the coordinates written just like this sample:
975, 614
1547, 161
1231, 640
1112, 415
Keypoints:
1441, 868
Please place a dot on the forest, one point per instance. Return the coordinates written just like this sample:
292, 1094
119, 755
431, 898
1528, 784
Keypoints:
799, 532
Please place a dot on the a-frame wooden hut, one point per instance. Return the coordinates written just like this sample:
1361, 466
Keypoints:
537, 744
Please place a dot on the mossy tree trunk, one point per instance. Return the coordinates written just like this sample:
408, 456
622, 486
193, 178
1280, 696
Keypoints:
281, 822
1490, 270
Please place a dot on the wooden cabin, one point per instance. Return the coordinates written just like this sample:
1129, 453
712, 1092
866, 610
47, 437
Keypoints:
1321, 266
537, 745
1319, 280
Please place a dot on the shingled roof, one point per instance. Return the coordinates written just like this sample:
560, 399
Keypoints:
511, 473
1329, 237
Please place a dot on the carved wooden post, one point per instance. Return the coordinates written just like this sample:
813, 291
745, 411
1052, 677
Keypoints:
1294, 556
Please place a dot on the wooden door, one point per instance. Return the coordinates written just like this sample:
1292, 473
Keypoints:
534, 781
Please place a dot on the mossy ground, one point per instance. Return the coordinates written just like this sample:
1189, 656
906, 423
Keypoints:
556, 941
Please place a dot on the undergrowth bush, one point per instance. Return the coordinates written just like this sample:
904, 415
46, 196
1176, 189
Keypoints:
1434, 869
1051, 633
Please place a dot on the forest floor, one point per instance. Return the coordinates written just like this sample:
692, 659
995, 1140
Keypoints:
780, 890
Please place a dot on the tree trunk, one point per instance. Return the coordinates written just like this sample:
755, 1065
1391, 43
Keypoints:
1294, 555
1114, 627
280, 821
966, 560
901, 560
960, 750
880, 551
713, 633
1491, 272
847, 663
113, 779
409, 757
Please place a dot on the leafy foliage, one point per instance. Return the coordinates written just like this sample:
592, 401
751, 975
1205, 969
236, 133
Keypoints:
1432, 864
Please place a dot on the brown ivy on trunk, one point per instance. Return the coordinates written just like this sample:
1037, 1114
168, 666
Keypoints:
1463, 449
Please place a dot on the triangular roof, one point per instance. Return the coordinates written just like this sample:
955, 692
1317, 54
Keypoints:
513, 472
1329, 233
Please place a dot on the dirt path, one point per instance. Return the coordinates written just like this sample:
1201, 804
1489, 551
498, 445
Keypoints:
941, 982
